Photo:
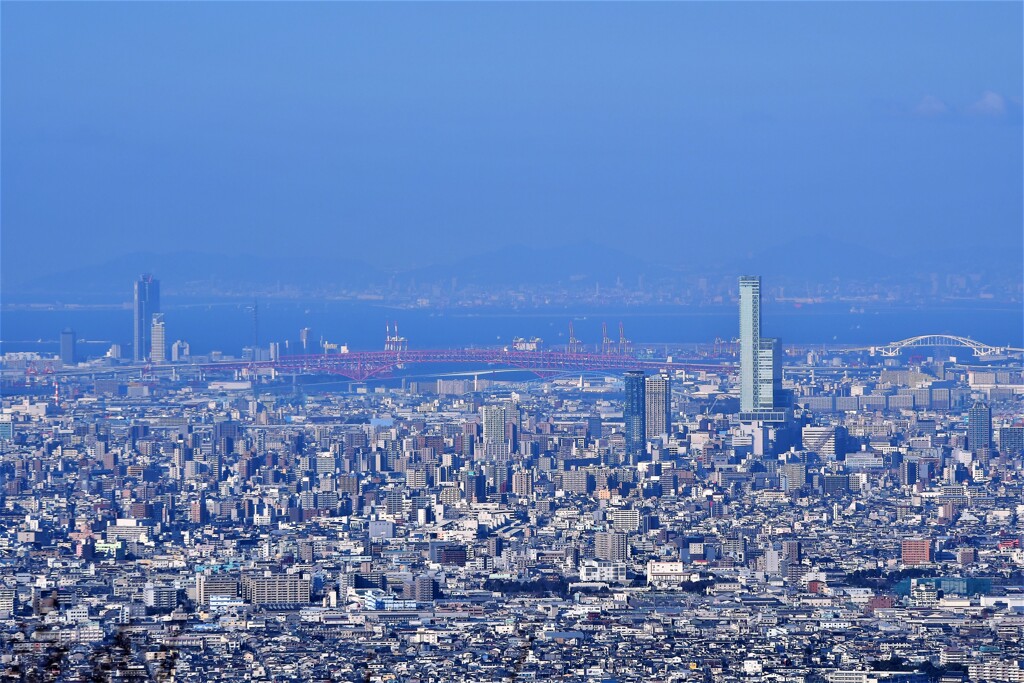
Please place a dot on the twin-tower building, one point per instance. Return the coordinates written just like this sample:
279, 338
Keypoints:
647, 411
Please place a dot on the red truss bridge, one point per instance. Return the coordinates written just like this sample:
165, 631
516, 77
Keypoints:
362, 365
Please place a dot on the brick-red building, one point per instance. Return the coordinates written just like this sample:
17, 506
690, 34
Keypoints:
917, 551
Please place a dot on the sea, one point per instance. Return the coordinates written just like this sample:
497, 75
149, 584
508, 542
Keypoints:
228, 326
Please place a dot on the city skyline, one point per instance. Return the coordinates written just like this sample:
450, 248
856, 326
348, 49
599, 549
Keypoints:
307, 524
759, 367
425, 342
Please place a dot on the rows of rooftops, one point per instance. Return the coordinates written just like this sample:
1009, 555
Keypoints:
480, 530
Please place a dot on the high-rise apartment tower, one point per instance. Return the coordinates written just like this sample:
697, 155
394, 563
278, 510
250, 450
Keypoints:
634, 412
979, 428
658, 404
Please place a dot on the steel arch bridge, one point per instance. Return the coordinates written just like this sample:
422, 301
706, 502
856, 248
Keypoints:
979, 349
362, 365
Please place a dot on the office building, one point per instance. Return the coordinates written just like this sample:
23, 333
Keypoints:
67, 346
658, 405
634, 413
760, 359
158, 339
147, 302
979, 428
834, 484
750, 337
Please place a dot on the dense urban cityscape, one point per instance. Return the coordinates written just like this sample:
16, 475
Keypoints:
756, 512
512, 342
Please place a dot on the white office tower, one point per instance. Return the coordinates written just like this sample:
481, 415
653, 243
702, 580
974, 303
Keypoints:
750, 339
760, 358
158, 339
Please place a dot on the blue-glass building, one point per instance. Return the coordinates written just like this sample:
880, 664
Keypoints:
633, 412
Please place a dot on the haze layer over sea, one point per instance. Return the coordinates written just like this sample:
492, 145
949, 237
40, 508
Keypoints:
228, 327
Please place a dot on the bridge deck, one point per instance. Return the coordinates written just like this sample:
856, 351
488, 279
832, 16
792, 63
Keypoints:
365, 364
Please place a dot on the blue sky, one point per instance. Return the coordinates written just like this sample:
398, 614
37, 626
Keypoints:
421, 133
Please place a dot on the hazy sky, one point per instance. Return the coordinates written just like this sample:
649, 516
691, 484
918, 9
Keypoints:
430, 131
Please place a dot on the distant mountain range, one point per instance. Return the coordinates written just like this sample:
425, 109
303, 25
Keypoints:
817, 260
188, 270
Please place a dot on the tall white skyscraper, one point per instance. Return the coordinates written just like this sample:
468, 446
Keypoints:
760, 357
658, 397
158, 339
750, 340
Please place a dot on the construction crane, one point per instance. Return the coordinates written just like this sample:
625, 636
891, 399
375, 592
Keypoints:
575, 346
394, 342
624, 344
607, 346
726, 347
